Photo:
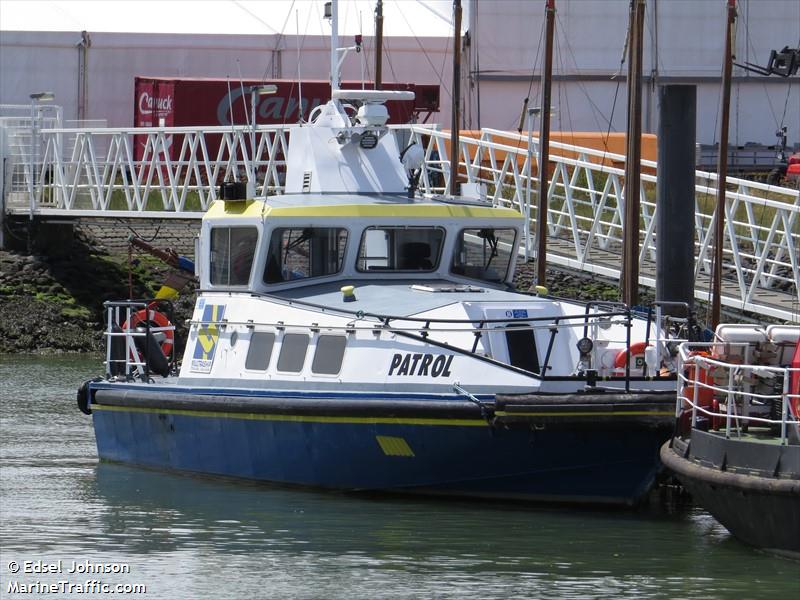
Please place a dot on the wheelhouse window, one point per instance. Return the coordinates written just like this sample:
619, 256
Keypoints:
297, 253
400, 249
484, 253
232, 252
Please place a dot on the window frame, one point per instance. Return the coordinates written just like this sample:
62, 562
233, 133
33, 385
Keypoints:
283, 345
387, 271
316, 350
229, 267
458, 246
271, 351
281, 229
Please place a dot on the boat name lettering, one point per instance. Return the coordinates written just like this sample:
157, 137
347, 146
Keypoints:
421, 365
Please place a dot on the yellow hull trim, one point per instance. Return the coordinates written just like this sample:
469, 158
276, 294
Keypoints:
293, 418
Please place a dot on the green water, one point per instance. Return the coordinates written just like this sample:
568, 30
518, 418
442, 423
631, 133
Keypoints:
192, 537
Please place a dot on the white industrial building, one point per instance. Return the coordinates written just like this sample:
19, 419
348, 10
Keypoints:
88, 54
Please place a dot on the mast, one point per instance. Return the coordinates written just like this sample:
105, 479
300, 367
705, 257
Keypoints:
334, 46
544, 147
456, 109
630, 234
378, 44
722, 167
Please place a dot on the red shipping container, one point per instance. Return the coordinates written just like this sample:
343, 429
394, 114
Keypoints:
202, 102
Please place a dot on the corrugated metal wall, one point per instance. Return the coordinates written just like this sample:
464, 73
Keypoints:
504, 41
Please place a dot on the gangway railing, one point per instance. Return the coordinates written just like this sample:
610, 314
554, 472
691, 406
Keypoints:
175, 171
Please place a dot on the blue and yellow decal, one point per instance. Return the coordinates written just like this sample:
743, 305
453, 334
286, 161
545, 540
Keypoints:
207, 337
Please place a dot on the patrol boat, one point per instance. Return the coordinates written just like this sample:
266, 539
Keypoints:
353, 334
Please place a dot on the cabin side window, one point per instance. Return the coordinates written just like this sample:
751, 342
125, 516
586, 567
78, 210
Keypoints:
484, 253
293, 352
260, 351
232, 252
297, 253
400, 249
329, 354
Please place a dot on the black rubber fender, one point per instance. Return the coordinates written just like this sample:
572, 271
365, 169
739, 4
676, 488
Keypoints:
83, 395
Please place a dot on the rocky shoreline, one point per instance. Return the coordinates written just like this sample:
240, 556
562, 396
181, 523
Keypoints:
51, 304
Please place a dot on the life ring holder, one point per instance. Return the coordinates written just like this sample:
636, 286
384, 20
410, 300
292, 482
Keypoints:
636, 349
161, 322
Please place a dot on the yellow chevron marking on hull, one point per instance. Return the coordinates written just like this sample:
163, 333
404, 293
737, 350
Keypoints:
394, 446
293, 418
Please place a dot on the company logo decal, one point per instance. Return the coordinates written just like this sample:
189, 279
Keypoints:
148, 104
275, 109
421, 365
207, 336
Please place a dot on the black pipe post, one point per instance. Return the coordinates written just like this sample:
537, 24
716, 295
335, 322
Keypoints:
378, 44
675, 200
454, 131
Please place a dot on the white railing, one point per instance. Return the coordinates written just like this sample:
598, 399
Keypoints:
586, 206
726, 393
175, 171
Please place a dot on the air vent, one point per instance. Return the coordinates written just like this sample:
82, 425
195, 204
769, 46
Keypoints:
446, 287
306, 182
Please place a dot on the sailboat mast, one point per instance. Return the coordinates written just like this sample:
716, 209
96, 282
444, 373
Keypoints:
456, 109
544, 147
722, 167
378, 44
630, 234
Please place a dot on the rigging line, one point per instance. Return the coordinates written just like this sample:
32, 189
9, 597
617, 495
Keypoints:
301, 46
595, 109
563, 92
615, 77
438, 73
279, 39
389, 57
255, 16
533, 75
477, 63
786, 102
751, 47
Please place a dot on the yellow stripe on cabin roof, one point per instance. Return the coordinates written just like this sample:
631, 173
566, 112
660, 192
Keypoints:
415, 211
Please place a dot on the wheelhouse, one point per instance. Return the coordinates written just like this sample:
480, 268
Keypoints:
262, 247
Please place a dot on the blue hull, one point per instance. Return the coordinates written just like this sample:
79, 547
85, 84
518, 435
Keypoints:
564, 461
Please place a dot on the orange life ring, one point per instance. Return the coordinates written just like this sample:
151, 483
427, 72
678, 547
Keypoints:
156, 319
635, 350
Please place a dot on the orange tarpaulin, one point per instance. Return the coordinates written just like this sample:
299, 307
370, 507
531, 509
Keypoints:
613, 143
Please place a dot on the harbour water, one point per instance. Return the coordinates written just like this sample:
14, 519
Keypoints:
184, 536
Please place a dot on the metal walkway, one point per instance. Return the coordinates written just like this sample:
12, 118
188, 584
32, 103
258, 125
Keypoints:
173, 172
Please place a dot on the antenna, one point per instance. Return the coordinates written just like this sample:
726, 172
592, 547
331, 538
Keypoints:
334, 46
244, 104
233, 128
299, 78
